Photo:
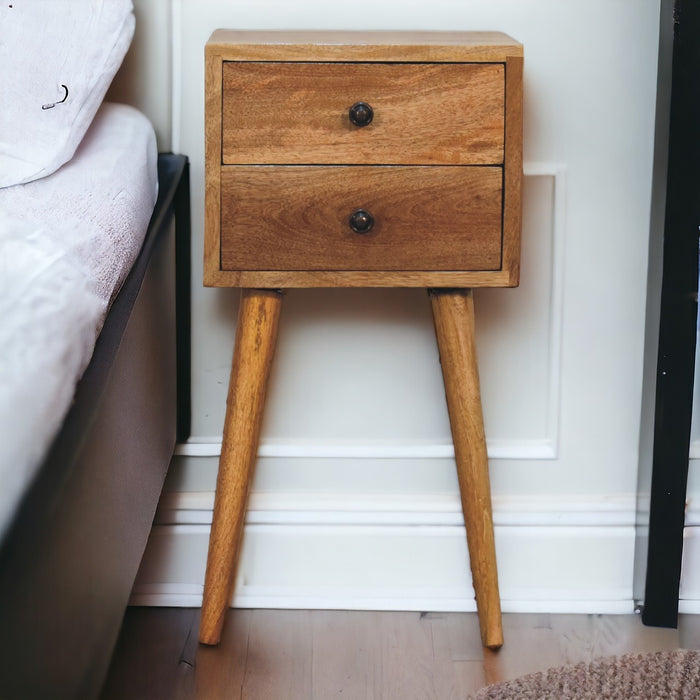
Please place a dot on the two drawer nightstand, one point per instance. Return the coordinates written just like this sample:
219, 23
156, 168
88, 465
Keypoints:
360, 159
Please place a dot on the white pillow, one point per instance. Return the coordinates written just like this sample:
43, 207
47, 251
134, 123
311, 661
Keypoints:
57, 59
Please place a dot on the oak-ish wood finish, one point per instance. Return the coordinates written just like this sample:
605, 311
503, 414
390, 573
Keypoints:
439, 168
297, 218
380, 46
453, 313
513, 171
297, 113
256, 335
440, 99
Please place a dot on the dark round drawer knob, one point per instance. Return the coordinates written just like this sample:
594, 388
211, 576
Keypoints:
361, 114
361, 221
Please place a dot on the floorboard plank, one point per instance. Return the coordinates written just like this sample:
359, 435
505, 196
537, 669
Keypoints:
343, 645
220, 671
536, 642
619, 634
279, 657
458, 658
150, 647
404, 664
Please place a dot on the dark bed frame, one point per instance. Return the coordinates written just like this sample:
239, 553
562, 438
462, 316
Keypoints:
68, 562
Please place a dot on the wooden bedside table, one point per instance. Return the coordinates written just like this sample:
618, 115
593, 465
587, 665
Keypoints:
360, 159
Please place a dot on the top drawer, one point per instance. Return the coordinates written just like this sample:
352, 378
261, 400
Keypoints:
423, 113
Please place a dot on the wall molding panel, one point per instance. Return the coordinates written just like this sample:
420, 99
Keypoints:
407, 510
536, 447
497, 449
176, 51
558, 172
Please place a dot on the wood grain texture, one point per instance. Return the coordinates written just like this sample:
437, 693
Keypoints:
360, 655
256, 335
453, 313
358, 51
424, 46
297, 113
212, 169
513, 170
425, 218
277, 279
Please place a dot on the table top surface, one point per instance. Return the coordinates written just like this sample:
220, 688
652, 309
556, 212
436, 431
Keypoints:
479, 46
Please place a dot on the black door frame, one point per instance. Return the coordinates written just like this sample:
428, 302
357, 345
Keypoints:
677, 329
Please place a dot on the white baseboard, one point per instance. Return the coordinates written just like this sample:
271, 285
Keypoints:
690, 575
398, 553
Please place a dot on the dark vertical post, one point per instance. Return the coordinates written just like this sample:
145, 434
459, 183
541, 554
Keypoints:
677, 327
183, 264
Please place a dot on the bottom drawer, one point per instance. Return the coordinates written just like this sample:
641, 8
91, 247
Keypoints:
298, 217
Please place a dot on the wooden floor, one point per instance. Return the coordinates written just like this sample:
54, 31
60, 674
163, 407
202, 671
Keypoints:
305, 655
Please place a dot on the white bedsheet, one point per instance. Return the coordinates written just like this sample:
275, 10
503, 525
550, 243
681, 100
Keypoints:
67, 242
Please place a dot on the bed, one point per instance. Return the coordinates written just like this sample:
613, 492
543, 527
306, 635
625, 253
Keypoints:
77, 531
94, 351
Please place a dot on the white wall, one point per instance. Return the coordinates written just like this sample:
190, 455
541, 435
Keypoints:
355, 499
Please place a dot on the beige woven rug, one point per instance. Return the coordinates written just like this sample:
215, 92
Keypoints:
664, 675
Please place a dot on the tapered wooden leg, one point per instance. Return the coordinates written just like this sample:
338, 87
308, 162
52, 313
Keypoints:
453, 313
258, 319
